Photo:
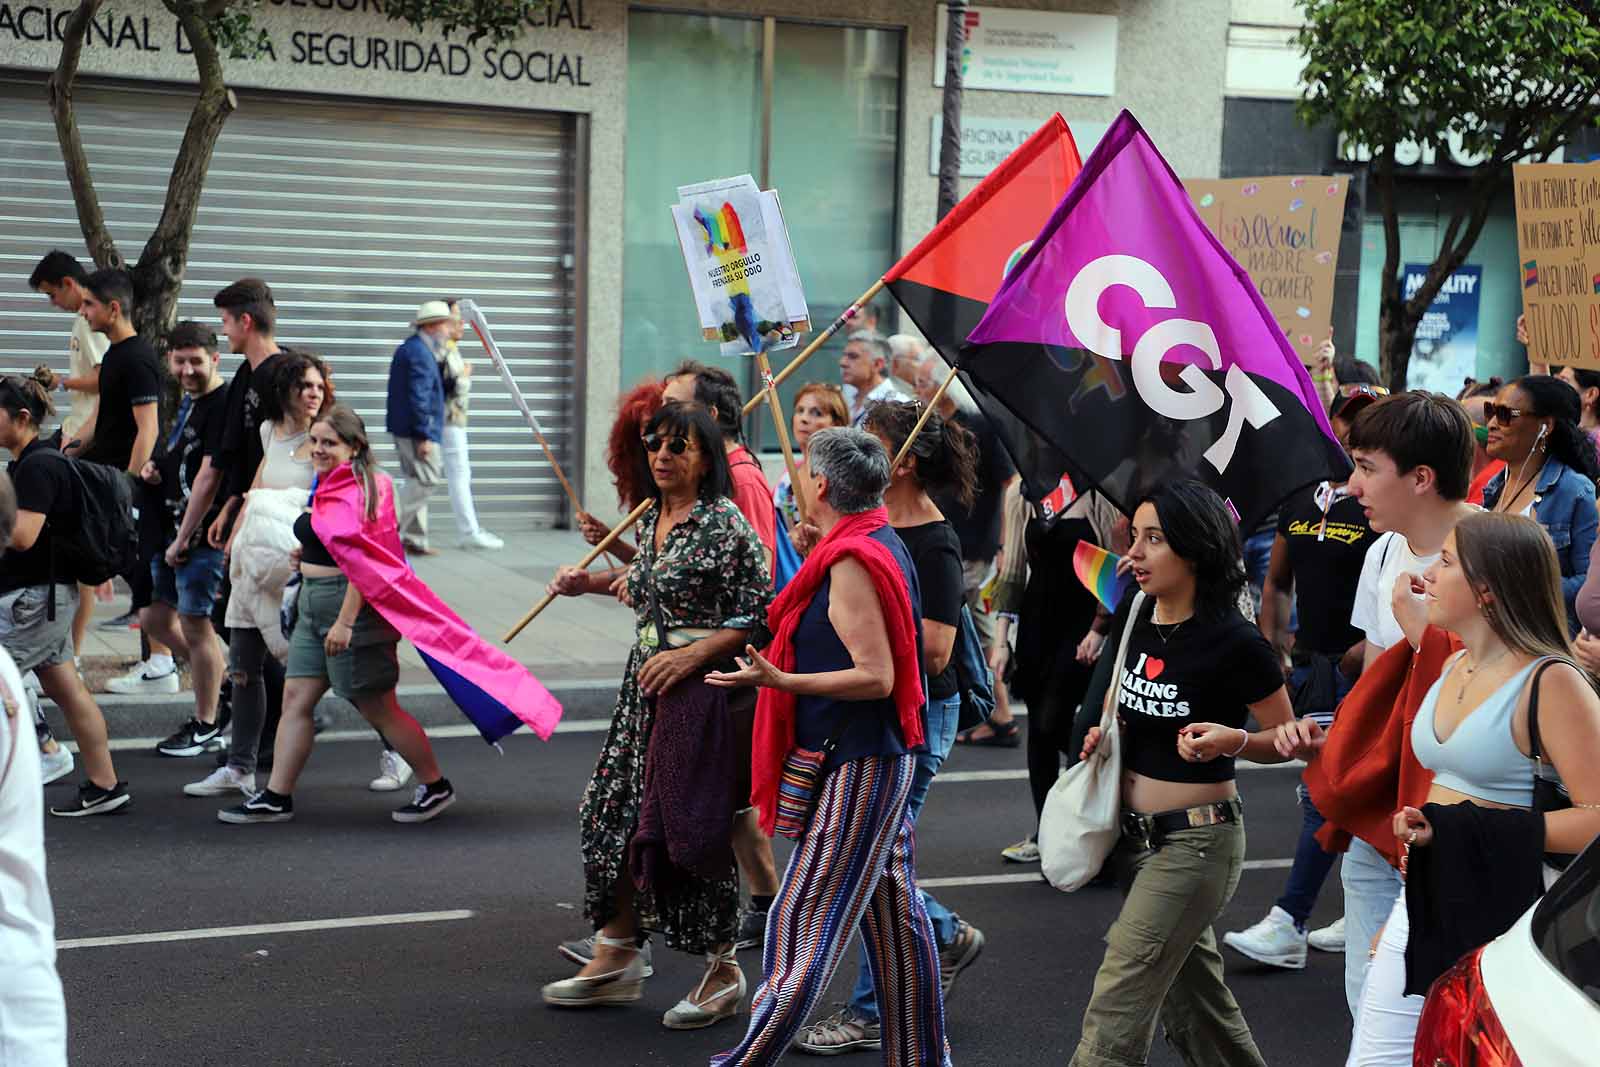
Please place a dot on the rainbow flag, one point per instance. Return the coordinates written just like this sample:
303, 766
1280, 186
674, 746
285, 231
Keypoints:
1097, 570
1530, 274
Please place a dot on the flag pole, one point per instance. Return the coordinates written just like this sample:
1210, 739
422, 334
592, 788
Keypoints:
923, 418
816, 342
771, 393
594, 553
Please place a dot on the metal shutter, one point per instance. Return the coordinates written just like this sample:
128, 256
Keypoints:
354, 212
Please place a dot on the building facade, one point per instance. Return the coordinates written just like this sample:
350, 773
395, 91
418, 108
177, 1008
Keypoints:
371, 165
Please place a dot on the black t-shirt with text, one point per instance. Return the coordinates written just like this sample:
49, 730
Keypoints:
45, 485
200, 436
1196, 671
936, 553
1326, 559
129, 376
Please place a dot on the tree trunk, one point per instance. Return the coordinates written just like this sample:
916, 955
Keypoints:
950, 139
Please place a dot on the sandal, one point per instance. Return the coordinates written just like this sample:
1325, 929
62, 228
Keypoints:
1000, 735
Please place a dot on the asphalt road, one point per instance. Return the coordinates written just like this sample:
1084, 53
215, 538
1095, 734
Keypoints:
464, 989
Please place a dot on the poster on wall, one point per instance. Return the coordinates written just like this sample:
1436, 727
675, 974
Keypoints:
741, 265
1284, 231
1558, 248
1016, 51
1445, 350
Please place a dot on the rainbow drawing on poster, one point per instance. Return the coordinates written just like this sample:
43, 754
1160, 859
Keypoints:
724, 235
724, 238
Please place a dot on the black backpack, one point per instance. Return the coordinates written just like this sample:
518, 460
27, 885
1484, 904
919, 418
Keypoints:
105, 541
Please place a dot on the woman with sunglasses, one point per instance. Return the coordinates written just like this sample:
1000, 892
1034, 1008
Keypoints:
1550, 472
817, 406
673, 769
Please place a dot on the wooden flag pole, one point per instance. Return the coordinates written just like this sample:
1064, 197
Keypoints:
816, 342
594, 553
771, 393
922, 420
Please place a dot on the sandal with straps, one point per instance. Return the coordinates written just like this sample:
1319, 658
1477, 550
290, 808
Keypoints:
614, 987
1001, 735
687, 1015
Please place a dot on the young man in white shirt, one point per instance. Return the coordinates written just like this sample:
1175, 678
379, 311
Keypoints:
1413, 460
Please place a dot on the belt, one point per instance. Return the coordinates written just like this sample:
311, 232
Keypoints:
1151, 830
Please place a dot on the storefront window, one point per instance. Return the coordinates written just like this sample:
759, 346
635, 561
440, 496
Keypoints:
695, 112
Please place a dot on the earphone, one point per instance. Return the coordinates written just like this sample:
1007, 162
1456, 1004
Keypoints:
1544, 431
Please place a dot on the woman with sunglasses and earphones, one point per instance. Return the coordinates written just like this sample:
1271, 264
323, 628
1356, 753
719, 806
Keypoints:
656, 820
1550, 472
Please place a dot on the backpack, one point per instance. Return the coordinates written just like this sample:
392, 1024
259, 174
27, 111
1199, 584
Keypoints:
105, 541
974, 679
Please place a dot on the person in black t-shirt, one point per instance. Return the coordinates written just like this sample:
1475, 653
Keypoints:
187, 574
47, 500
122, 431
1193, 672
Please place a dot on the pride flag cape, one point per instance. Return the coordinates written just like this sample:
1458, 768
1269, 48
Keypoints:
1128, 338
494, 691
946, 282
1097, 570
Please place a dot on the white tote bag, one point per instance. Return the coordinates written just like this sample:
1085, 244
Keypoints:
1080, 823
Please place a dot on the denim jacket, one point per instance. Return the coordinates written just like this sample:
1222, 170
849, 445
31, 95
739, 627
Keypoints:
1564, 504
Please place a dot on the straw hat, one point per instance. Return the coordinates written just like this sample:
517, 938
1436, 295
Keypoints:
431, 311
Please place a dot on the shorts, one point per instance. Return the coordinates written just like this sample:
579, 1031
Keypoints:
27, 631
193, 587
973, 572
369, 665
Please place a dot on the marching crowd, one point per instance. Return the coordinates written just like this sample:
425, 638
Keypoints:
807, 655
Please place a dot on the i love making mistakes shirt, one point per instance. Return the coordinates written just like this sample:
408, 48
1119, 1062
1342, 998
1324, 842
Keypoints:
1202, 672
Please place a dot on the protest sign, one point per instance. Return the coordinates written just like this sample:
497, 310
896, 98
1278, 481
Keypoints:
1558, 245
741, 266
1284, 231
1445, 351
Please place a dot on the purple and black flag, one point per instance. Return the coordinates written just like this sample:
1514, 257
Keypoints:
1130, 340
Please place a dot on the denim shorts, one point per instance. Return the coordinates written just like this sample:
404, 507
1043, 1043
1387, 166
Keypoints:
193, 587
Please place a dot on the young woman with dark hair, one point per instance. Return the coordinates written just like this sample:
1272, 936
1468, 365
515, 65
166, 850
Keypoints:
1550, 472
1195, 670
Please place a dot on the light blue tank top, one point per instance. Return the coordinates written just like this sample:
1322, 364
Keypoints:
1481, 758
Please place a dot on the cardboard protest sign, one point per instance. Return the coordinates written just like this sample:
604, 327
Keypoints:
1284, 231
741, 266
1558, 245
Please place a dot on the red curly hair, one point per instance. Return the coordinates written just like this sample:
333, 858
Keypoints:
633, 410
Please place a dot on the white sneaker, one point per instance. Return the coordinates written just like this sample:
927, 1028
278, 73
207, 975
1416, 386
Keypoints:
1024, 851
1274, 941
483, 539
393, 773
1330, 938
221, 782
140, 680
55, 765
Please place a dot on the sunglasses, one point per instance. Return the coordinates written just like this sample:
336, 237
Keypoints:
676, 445
1362, 389
1502, 414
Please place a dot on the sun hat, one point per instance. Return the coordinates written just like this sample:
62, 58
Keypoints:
431, 311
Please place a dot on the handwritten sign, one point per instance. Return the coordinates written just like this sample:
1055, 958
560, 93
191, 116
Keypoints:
1284, 231
1558, 248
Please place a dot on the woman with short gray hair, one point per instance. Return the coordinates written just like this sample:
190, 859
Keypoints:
840, 713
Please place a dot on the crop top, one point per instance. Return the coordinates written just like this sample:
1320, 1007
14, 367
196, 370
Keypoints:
312, 550
1480, 758
280, 468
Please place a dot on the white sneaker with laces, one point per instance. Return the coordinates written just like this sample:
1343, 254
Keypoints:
393, 773
483, 539
1024, 851
1330, 938
221, 782
56, 765
141, 680
1274, 941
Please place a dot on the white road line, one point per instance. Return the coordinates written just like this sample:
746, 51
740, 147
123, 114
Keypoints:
571, 726
209, 933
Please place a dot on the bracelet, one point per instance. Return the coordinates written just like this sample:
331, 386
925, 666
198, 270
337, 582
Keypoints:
346, 625
1242, 744
1322, 376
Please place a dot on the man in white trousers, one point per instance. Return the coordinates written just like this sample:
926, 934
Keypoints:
456, 371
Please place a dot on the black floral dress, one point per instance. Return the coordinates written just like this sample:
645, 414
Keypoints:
711, 574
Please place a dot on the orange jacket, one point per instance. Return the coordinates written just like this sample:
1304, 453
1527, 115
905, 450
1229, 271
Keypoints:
1366, 771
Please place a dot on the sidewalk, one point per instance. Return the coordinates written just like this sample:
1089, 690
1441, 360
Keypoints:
577, 647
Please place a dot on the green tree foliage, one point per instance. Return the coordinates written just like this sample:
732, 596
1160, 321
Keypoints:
1508, 80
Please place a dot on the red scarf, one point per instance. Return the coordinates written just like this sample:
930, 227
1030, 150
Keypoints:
774, 727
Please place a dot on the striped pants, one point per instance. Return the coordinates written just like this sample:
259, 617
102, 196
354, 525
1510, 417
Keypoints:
853, 868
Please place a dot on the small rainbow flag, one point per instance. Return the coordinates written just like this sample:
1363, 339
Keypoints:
724, 233
1097, 570
1530, 274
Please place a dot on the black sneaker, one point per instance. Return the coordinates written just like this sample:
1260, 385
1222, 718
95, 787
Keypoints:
192, 738
427, 803
259, 808
92, 800
752, 930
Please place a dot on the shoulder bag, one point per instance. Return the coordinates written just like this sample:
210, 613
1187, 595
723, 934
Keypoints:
1548, 792
1081, 820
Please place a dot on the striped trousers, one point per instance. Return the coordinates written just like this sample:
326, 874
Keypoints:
853, 868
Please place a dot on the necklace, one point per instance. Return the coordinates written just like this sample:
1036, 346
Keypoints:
1470, 670
1167, 635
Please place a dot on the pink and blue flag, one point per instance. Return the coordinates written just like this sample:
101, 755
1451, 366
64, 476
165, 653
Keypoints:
1126, 288
495, 692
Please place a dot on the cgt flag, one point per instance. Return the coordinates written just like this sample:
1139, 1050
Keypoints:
1128, 338
946, 282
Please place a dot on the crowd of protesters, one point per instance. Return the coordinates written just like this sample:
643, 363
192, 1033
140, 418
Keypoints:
799, 658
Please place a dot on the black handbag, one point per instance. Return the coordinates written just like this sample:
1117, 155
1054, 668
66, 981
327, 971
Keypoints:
1548, 792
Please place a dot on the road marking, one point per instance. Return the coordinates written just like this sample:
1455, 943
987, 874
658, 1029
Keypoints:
571, 726
209, 933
